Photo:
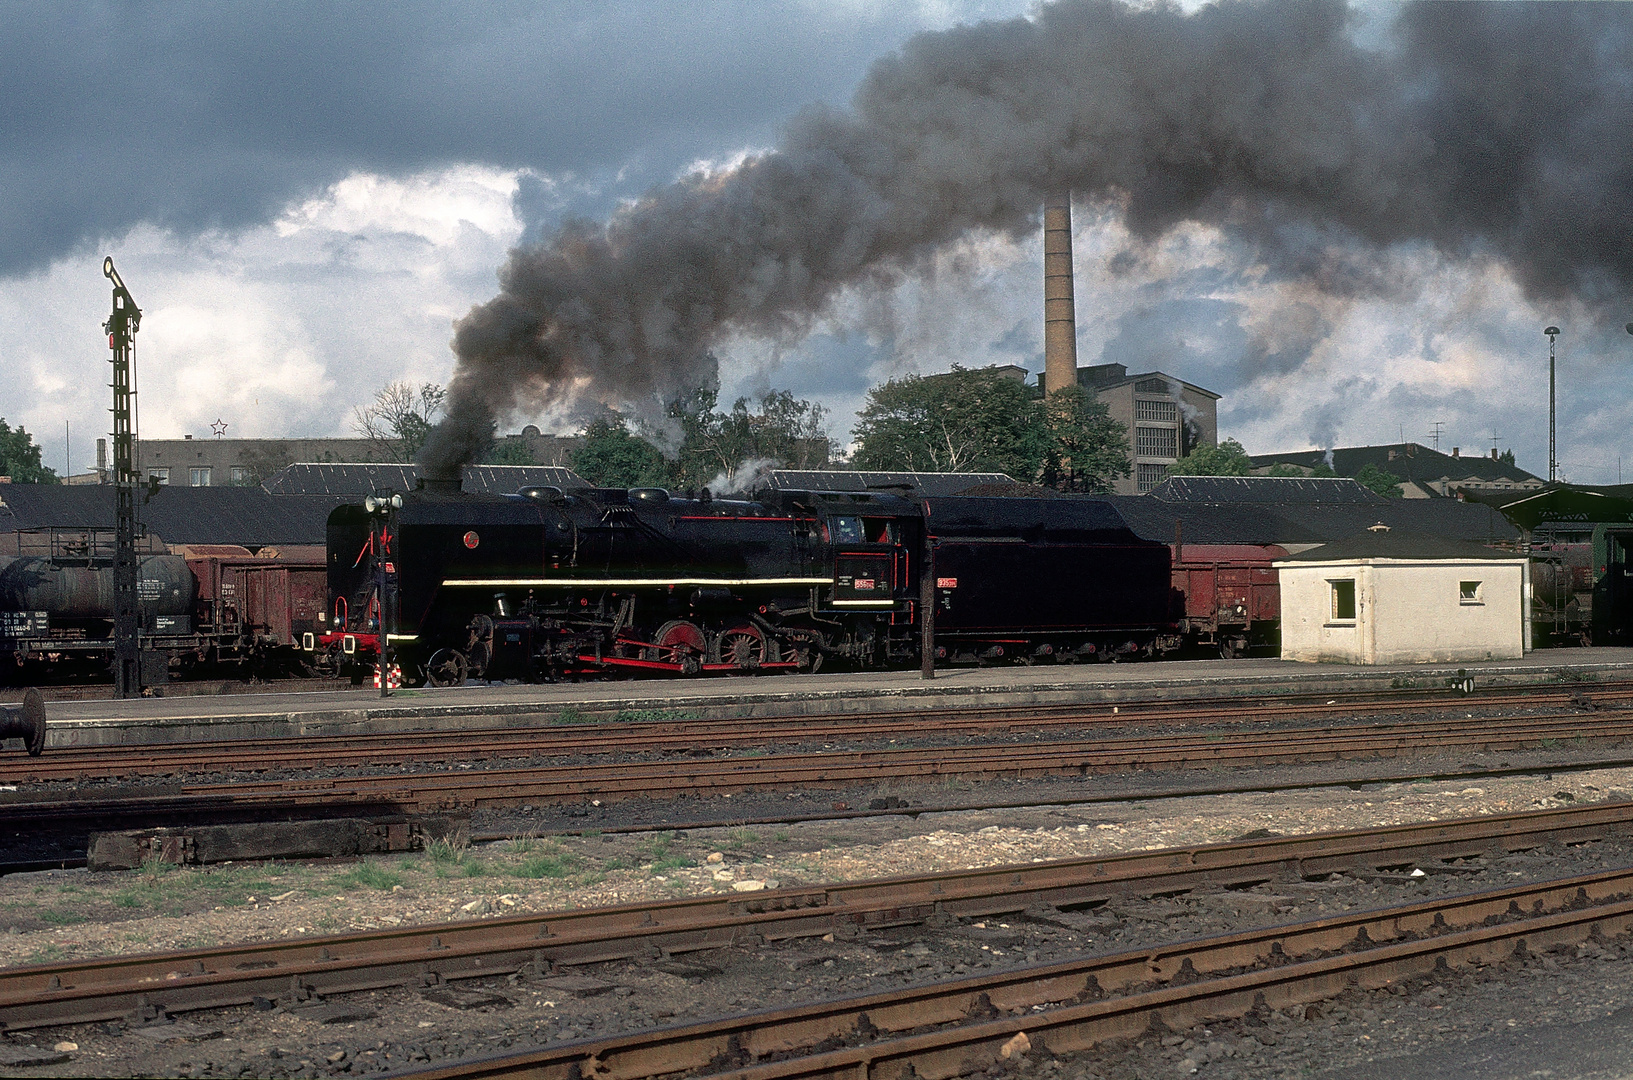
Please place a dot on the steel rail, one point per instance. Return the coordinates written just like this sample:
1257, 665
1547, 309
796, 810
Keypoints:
444, 790
477, 789
84, 991
73, 762
1074, 1028
799, 1029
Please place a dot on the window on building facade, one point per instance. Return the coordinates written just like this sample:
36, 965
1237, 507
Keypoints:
1153, 386
240, 474
1470, 592
199, 477
1156, 442
1343, 600
1147, 477
1163, 412
161, 475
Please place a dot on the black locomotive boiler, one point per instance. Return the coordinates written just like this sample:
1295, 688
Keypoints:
545, 583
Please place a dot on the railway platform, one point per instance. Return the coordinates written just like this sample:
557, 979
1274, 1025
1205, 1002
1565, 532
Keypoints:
355, 712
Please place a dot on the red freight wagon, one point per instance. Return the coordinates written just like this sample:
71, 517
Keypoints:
256, 607
1227, 595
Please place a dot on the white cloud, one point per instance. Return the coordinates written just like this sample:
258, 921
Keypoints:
277, 330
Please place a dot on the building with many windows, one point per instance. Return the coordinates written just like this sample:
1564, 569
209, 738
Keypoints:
1166, 418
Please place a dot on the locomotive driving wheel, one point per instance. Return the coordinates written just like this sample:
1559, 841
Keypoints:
744, 646
679, 642
447, 667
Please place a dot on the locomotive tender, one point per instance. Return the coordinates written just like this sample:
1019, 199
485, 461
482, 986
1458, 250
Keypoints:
546, 583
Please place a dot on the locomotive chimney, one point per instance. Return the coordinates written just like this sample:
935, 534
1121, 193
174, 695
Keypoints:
1059, 316
440, 478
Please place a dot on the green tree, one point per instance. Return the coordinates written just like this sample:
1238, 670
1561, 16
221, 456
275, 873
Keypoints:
1087, 449
611, 456
1384, 483
784, 430
1507, 458
399, 419
20, 458
509, 451
1229, 458
963, 421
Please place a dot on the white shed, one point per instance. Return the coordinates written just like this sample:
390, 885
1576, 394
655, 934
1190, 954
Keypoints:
1387, 597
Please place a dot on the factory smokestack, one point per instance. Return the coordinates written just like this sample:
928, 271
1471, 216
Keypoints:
1477, 131
1059, 304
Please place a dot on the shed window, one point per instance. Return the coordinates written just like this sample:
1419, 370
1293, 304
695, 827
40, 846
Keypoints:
1470, 592
1343, 600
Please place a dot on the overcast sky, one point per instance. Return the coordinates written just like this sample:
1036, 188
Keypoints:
303, 198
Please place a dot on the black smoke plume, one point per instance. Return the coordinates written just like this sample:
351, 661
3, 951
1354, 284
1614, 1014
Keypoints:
1495, 129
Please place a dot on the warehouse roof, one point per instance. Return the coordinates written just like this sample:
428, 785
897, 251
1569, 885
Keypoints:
365, 478
1381, 542
1275, 490
916, 483
1308, 523
177, 515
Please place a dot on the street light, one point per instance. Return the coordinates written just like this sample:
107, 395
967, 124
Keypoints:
1553, 457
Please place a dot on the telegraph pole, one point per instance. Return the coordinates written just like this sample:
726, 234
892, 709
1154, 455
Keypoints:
121, 327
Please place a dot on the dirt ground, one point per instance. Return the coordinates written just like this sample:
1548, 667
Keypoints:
62, 914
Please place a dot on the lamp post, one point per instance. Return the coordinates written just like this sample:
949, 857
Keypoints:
1553, 457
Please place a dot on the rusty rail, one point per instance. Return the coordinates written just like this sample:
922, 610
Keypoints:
1145, 980
76, 992
73, 762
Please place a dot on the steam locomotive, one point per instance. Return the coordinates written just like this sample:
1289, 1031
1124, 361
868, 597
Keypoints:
547, 584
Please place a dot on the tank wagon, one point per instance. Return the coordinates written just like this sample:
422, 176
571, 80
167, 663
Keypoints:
546, 584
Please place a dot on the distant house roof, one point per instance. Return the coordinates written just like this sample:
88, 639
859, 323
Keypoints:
358, 479
1397, 544
1430, 470
247, 516
939, 484
1269, 490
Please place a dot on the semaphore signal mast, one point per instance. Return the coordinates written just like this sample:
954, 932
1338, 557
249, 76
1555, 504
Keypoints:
121, 327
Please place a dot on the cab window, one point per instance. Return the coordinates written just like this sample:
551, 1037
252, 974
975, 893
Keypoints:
846, 530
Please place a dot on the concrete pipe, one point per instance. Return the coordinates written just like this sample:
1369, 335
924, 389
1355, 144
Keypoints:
25, 721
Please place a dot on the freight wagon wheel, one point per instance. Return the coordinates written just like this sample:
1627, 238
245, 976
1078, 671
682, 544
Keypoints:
678, 642
446, 668
743, 646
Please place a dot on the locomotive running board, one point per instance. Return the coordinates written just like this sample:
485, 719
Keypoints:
659, 665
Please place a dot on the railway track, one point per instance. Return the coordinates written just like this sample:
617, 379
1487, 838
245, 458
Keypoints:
962, 1026
661, 735
475, 789
75, 992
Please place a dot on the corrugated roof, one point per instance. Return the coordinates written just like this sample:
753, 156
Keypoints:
1398, 544
177, 515
358, 479
1270, 490
918, 483
1310, 523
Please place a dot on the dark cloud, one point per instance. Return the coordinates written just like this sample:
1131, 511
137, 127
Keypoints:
1265, 119
197, 115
